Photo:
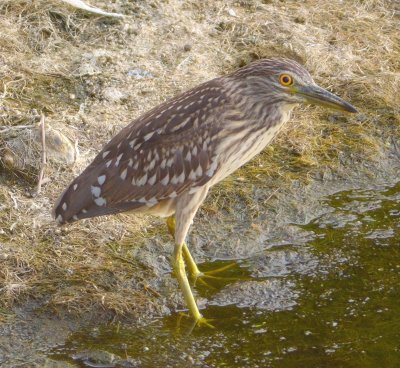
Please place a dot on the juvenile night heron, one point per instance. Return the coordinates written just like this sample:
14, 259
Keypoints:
165, 162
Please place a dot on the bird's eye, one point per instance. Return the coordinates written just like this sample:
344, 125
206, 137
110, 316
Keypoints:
286, 80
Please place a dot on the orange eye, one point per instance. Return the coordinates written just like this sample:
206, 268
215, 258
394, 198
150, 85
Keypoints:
286, 80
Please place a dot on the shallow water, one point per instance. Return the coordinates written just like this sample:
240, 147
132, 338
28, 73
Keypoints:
333, 302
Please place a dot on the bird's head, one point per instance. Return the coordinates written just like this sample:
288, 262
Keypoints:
287, 82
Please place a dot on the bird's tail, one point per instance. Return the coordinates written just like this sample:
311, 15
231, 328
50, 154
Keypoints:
79, 200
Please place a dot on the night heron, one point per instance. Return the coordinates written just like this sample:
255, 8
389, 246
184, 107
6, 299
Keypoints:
165, 162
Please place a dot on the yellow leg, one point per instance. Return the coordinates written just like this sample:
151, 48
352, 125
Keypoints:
190, 263
171, 225
179, 268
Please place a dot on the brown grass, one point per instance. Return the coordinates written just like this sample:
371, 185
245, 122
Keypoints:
68, 65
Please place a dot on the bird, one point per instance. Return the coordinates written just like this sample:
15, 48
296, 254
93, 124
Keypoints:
165, 161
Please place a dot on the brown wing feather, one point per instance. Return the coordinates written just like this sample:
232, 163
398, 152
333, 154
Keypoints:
157, 157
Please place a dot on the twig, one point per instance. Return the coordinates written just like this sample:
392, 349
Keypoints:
44, 159
81, 5
151, 290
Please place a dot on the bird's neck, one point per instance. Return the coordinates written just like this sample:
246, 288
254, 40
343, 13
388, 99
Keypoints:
263, 120
260, 111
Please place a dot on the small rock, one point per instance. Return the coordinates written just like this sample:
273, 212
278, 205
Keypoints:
114, 94
58, 147
23, 151
231, 12
3, 256
8, 159
139, 74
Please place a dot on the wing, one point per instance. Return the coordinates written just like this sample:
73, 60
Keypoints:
160, 155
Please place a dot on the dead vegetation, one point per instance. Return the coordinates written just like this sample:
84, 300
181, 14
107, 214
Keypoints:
91, 75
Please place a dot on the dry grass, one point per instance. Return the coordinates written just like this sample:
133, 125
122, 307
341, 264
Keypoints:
75, 68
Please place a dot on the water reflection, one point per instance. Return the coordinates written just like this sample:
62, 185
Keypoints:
333, 302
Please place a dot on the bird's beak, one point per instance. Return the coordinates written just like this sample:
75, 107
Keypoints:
316, 95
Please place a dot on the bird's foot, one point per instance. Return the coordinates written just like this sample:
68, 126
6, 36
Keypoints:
201, 277
212, 273
205, 322
195, 322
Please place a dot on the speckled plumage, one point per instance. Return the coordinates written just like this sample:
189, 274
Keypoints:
191, 141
